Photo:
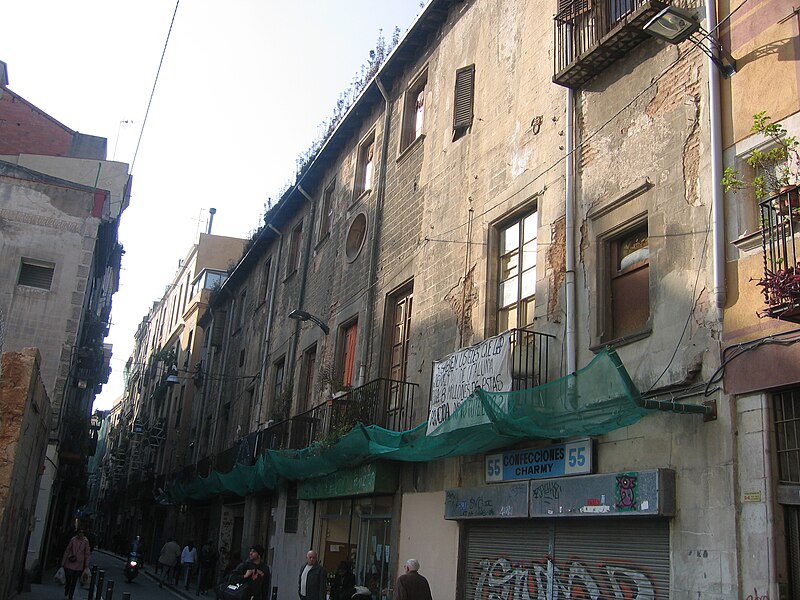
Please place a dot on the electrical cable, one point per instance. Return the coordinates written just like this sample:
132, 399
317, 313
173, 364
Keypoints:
153, 91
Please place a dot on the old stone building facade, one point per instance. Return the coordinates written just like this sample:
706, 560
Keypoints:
510, 197
60, 205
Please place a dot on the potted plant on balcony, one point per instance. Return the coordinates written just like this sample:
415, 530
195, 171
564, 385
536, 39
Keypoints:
777, 169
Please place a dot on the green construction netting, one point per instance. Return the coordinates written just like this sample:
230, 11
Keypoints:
597, 399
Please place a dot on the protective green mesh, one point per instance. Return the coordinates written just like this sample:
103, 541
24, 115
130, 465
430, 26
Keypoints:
597, 399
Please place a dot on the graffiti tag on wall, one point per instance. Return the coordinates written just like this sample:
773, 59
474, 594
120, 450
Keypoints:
501, 580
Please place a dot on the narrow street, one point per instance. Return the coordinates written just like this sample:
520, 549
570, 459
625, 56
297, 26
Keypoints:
144, 587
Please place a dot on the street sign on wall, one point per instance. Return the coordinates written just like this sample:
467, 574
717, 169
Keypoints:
570, 458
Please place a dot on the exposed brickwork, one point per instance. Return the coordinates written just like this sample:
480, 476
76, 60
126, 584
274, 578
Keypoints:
24, 129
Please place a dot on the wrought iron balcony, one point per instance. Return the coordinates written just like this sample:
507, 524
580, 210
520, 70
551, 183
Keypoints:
780, 227
590, 35
530, 352
383, 402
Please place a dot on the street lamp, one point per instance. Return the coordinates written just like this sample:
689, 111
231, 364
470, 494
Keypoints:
674, 25
301, 315
172, 376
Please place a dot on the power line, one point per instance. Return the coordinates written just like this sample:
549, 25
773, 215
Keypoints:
153, 91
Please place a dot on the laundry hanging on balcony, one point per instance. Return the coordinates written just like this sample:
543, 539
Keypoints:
593, 401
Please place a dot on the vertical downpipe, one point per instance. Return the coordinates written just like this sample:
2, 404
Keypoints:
569, 200
717, 201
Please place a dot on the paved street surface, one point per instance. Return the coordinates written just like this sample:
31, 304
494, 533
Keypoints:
144, 587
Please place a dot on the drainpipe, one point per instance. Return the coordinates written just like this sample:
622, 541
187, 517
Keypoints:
369, 313
268, 328
569, 276
303, 281
717, 204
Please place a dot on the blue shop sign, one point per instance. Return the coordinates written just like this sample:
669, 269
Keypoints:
570, 458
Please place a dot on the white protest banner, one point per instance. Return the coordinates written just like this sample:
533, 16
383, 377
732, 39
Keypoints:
486, 365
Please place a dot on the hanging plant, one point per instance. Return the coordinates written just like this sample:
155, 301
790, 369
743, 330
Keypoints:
776, 169
781, 286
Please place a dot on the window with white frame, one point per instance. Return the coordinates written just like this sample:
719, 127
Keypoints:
365, 166
414, 110
518, 247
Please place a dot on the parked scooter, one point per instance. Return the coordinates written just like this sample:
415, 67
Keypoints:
132, 566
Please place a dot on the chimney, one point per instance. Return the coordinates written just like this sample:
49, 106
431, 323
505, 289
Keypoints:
212, 212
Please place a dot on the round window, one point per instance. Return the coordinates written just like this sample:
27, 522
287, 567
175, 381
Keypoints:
355, 236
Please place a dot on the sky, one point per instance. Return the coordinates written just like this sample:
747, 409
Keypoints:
243, 88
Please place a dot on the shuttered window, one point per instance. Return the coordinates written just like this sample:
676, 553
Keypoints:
464, 100
36, 274
569, 9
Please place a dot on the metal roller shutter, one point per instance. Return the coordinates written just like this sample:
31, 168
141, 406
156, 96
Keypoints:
612, 558
603, 558
504, 557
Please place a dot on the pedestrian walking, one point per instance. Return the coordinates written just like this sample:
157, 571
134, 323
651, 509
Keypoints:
188, 563
411, 585
168, 559
75, 560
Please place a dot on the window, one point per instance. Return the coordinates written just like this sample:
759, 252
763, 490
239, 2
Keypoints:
266, 272
280, 370
355, 237
517, 272
349, 334
292, 517
240, 312
463, 101
307, 377
326, 211
628, 283
365, 167
399, 304
36, 274
293, 260
414, 111
787, 432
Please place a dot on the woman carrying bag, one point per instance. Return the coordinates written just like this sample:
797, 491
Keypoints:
75, 560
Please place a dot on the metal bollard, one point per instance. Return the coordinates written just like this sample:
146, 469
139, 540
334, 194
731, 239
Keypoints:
109, 590
92, 583
101, 574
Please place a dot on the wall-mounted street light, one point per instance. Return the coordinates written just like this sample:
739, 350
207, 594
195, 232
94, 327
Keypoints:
172, 377
301, 315
674, 25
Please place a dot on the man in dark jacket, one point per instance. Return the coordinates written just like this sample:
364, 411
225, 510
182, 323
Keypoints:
254, 573
411, 585
313, 583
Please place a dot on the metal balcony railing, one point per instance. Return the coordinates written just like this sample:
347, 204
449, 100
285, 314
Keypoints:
780, 227
592, 34
384, 402
530, 358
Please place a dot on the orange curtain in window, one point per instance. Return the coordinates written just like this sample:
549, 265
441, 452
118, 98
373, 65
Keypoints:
349, 362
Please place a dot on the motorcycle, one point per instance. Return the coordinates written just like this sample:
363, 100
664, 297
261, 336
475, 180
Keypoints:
132, 566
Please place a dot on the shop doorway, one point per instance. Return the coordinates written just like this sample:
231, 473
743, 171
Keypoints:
358, 531
372, 566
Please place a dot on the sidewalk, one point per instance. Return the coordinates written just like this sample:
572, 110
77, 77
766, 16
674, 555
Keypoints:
49, 589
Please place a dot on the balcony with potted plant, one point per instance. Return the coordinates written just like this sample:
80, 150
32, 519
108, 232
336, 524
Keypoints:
777, 174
